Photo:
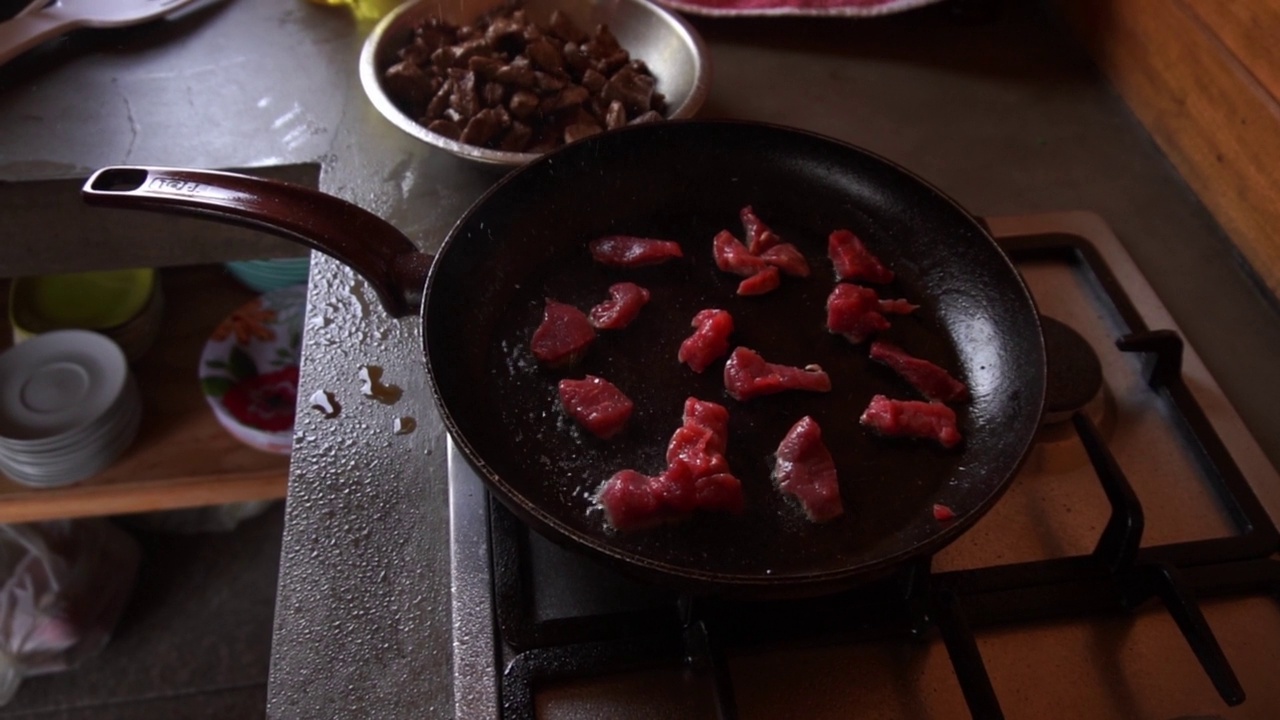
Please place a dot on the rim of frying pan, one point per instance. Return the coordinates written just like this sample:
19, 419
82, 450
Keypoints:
693, 578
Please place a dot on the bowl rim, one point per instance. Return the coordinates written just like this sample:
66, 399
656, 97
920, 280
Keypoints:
369, 79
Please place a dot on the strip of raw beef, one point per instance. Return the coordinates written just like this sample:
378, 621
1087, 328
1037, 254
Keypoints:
731, 256
765, 281
759, 236
804, 469
630, 251
564, 335
596, 404
928, 379
854, 312
623, 305
897, 306
853, 261
747, 375
912, 418
709, 341
787, 258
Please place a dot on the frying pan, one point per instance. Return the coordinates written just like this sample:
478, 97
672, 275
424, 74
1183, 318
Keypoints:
525, 240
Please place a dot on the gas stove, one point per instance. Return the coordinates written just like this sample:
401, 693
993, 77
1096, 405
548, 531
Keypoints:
1129, 571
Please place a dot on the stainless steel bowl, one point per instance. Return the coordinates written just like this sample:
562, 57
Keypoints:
670, 47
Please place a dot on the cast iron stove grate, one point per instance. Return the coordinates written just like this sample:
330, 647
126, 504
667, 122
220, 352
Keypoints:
1116, 577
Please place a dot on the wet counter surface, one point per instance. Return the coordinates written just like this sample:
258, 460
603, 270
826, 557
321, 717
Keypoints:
1006, 115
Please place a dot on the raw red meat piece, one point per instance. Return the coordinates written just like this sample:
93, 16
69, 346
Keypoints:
596, 404
700, 445
759, 236
898, 307
623, 305
731, 256
630, 251
942, 513
709, 341
767, 280
676, 489
564, 335
805, 470
721, 492
697, 475
912, 418
853, 260
696, 447
787, 258
747, 375
630, 501
711, 416
702, 439
854, 312
930, 380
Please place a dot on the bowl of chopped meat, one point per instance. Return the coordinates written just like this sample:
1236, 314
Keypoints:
502, 81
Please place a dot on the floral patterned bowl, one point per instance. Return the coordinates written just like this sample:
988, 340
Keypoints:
249, 369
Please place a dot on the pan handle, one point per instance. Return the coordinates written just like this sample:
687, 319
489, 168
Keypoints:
366, 243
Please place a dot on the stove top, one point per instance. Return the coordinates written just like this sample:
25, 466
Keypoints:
1128, 571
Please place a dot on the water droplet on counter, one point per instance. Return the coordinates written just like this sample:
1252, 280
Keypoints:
357, 292
403, 425
326, 403
372, 386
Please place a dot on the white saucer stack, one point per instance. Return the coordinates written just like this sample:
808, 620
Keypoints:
68, 408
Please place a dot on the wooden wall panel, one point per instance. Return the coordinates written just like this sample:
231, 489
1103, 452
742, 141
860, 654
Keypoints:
1203, 82
1250, 29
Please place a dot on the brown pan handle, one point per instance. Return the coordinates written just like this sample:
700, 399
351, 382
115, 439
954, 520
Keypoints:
369, 245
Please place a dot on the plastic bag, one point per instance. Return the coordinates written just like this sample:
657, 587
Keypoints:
65, 584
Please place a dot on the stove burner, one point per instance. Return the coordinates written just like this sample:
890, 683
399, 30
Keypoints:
1074, 371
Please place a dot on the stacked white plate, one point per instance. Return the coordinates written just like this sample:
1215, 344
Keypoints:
68, 408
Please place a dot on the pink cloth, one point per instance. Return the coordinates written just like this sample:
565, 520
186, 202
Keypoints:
846, 8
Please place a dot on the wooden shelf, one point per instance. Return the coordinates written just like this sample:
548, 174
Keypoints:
182, 457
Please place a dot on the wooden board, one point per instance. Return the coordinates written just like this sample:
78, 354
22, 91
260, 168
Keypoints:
182, 457
1251, 32
1203, 81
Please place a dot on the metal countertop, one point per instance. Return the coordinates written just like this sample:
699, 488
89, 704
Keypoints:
1008, 116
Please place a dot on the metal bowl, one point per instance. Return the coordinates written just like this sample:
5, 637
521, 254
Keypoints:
670, 47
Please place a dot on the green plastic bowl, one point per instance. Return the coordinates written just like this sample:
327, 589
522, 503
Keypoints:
88, 301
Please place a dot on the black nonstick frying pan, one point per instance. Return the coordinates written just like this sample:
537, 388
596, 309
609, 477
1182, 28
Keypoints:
525, 240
